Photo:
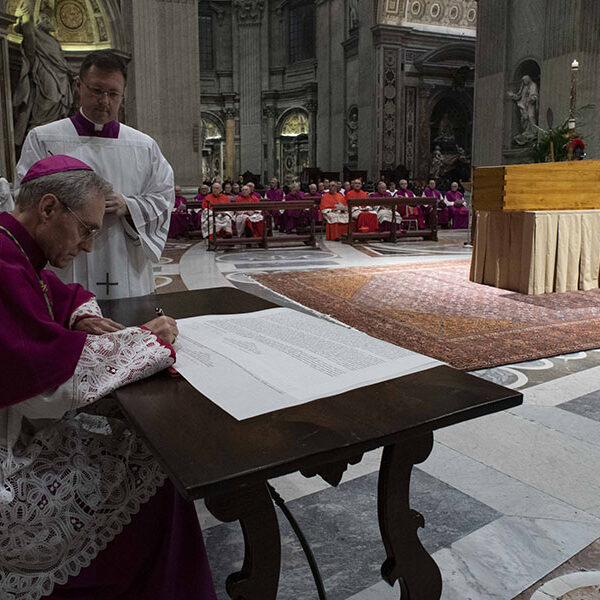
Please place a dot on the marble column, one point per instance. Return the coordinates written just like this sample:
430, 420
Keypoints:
230, 115
311, 107
424, 135
163, 89
249, 14
270, 112
7, 138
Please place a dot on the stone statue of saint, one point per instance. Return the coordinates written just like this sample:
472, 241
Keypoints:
527, 102
352, 131
446, 128
352, 14
445, 136
437, 162
44, 92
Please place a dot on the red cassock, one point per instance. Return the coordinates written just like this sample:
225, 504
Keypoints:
366, 221
329, 201
252, 223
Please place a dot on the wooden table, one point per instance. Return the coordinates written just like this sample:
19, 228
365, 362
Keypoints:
209, 454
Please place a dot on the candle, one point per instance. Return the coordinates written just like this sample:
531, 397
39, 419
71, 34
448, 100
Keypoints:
575, 64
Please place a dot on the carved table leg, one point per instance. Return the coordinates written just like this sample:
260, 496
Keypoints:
253, 507
407, 561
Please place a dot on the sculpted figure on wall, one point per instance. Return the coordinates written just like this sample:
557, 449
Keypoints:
445, 137
527, 103
352, 135
437, 162
44, 92
352, 14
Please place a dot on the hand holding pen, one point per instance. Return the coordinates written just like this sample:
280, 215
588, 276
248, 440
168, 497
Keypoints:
164, 327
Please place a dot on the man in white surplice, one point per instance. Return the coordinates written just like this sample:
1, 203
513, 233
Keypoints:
136, 221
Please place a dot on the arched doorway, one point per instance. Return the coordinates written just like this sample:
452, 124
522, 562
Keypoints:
292, 142
450, 139
213, 148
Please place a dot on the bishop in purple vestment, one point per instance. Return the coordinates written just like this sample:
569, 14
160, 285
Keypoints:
453, 200
293, 219
275, 194
181, 220
85, 511
443, 214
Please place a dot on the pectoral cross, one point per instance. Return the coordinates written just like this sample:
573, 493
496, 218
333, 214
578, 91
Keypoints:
107, 283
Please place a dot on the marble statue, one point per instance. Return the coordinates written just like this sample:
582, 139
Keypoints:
445, 137
437, 162
352, 132
353, 14
527, 102
446, 128
44, 92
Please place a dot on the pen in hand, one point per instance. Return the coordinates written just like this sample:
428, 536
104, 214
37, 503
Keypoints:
172, 372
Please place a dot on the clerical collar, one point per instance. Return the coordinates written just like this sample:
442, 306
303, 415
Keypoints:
34, 253
85, 127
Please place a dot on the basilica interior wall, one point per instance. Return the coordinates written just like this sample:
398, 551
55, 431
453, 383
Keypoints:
165, 87
488, 123
549, 33
343, 82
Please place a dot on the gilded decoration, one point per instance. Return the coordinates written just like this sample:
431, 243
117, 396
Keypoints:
296, 123
392, 12
211, 130
461, 14
80, 24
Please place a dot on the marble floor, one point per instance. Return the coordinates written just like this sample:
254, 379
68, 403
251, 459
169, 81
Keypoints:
507, 499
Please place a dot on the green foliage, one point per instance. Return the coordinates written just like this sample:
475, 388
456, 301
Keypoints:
540, 150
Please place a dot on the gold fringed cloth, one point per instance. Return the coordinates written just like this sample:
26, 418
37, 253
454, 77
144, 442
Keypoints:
537, 252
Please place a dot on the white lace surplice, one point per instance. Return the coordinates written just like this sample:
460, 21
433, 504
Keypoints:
70, 482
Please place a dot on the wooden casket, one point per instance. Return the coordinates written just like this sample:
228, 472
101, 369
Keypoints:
573, 185
537, 227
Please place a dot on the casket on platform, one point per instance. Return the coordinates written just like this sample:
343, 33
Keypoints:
537, 226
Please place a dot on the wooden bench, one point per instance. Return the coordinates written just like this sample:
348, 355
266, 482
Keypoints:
429, 233
310, 203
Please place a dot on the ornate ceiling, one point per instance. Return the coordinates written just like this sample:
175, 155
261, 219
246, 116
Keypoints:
79, 24
459, 14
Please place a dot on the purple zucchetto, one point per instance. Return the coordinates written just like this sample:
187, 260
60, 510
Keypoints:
54, 164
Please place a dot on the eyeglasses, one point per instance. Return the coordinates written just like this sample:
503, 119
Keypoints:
90, 230
97, 92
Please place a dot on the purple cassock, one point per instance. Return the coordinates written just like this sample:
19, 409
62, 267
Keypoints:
460, 215
275, 195
159, 554
443, 214
451, 198
292, 219
181, 222
85, 127
38, 351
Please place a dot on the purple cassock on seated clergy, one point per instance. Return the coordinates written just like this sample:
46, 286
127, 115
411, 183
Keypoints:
85, 510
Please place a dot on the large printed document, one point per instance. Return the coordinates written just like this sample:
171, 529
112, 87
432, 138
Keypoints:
254, 363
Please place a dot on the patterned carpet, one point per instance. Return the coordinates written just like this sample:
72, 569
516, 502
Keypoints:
434, 309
